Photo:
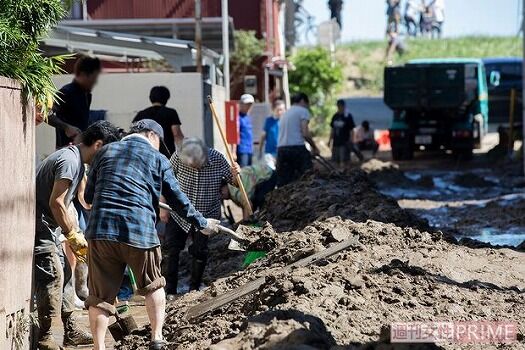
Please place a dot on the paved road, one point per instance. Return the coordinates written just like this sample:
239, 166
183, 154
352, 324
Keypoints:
372, 109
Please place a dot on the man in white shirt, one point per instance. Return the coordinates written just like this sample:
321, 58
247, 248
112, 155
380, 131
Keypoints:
293, 159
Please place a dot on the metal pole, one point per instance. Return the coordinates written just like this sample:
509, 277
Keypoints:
226, 48
523, 70
198, 34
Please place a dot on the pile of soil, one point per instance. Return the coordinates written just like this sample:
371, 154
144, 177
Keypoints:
389, 174
496, 213
471, 180
319, 196
396, 273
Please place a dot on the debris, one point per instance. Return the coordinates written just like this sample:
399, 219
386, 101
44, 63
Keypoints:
401, 271
471, 180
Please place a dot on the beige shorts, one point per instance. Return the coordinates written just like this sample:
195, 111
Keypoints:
107, 262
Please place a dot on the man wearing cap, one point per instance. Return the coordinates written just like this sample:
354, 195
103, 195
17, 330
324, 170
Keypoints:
124, 186
245, 146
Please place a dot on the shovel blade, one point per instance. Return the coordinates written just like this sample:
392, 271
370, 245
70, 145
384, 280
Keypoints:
235, 246
122, 327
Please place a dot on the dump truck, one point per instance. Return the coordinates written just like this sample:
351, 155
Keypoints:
438, 104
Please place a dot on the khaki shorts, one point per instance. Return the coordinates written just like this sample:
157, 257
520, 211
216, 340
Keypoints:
107, 262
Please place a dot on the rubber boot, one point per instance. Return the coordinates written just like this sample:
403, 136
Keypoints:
172, 272
73, 335
197, 271
46, 341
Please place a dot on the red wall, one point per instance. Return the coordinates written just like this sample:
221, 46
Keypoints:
109, 9
246, 14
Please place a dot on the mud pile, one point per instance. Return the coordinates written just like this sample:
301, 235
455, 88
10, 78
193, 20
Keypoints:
320, 196
396, 273
389, 174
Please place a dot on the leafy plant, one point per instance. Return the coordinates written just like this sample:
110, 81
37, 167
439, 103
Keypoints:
318, 76
22, 24
247, 49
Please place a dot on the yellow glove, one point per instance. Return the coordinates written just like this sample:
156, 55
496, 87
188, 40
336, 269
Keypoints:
78, 244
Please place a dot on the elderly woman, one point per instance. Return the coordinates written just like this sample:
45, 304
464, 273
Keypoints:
200, 171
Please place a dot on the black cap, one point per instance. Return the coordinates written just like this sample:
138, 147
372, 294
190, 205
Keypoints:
150, 125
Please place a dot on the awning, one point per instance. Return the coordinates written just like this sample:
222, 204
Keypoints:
179, 28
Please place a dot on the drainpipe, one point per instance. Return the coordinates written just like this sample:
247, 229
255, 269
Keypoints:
198, 34
226, 48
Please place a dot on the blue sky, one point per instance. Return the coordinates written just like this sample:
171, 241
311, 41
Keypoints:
365, 19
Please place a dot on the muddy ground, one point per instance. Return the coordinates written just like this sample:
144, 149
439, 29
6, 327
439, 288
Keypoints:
402, 269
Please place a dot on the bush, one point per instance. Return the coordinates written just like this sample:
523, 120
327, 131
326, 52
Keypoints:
317, 75
22, 24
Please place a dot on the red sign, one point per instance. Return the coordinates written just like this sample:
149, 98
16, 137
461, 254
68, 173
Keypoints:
232, 122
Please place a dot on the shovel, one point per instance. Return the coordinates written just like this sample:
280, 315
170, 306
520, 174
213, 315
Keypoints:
122, 327
327, 165
239, 241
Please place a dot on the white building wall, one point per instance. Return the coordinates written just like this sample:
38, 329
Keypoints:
122, 95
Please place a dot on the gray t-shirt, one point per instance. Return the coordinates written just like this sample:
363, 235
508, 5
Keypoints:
65, 163
290, 126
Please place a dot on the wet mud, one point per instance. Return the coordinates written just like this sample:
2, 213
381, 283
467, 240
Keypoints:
401, 270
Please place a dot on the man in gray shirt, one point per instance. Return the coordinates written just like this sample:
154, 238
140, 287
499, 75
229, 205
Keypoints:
293, 159
57, 182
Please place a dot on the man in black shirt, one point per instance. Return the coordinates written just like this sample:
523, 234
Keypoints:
165, 116
340, 138
70, 114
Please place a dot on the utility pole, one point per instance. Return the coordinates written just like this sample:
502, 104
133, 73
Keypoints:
523, 81
226, 48
198, 34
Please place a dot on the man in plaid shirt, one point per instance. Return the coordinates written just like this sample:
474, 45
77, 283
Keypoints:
200, 171
124, 185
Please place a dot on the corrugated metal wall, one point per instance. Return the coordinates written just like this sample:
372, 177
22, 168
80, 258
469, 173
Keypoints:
17, 214
106, 9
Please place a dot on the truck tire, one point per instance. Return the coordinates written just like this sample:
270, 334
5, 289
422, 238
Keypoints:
463, 154
402, 153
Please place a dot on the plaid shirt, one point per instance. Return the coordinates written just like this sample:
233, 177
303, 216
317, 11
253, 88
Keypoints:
202, 186
124, 184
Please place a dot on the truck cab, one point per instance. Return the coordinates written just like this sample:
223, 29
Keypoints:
438, 104
504, 74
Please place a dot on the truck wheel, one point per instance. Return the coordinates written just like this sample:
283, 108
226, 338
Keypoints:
402, 153
463, 154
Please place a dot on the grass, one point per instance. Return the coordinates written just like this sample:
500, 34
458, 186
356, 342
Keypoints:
364, 61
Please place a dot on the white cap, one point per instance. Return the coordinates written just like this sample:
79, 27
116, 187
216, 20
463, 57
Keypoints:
247, 99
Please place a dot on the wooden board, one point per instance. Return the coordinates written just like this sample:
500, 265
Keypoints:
250, 287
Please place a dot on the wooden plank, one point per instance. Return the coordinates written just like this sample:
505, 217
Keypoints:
250, 287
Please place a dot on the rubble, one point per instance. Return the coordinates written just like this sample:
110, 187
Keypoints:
401, 271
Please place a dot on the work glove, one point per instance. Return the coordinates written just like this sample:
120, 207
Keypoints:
78, 244
211, 228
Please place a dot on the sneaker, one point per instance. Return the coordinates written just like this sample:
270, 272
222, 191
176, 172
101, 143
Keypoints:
157, 344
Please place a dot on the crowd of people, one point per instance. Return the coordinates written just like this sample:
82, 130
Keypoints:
98, 195
420, 17
423, 18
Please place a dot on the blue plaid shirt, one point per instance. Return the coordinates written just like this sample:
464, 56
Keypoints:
124, 185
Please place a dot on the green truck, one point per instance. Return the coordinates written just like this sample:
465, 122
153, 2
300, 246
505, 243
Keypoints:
438, 104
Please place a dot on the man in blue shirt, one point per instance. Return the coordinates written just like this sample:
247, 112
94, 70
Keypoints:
270, 134
245, 146
124, 185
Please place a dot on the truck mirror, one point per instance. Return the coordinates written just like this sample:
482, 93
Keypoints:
495, 77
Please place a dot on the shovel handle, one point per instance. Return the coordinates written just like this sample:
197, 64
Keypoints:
230, 156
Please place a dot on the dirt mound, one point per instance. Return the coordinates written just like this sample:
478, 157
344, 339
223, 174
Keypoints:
471, 180
346, 301
397, 274
319, 196
389, 174
497, 214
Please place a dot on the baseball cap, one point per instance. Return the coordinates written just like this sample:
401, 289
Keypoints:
148, 124
247, 99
